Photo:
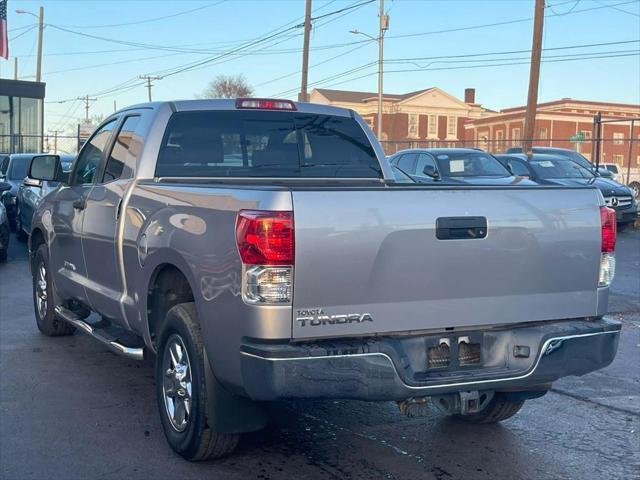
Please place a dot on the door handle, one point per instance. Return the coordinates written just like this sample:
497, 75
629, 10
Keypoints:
461, 228
80, 204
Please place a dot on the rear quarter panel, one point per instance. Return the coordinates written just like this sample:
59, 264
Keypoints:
193, 228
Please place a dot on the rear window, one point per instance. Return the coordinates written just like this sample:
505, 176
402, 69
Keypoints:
265, 144
469, 164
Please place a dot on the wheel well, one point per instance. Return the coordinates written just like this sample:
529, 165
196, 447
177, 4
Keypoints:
168, 287
37, 239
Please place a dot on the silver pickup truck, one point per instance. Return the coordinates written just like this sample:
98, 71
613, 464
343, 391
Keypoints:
262, 250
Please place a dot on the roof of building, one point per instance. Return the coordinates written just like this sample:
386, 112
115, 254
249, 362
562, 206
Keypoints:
360, 97
564, 101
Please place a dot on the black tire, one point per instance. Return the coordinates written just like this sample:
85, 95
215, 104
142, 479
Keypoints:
624, 226
195, 440
21, 235
499, 409
48, 323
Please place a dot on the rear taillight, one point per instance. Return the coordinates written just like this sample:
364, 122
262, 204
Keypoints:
265, 104
608, 246
266, 244
609, 229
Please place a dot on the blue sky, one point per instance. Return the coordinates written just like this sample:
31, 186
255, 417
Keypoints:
216, 26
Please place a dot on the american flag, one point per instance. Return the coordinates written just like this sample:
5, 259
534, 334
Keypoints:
4, 39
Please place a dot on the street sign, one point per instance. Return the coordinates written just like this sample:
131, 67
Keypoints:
577, 138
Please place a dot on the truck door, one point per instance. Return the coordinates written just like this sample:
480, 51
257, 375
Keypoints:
102, 218
67, 260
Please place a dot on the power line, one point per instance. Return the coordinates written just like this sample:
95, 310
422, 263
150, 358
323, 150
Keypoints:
148, 20
510, 52
496, 24
618, 9
506, 62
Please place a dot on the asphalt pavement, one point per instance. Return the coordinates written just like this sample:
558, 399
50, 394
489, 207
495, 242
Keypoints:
69, 409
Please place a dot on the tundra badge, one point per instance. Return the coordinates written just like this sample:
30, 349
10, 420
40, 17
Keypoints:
317, 317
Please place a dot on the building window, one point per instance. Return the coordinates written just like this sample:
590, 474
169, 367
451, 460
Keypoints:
412, 130
433, 126
544, 134
618, 138
452, 126
586, 134
619, 159
515, 136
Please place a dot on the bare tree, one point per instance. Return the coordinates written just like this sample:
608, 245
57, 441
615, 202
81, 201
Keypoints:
228, 86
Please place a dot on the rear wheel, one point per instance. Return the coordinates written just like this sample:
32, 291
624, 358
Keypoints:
46, 319
181, 389
498, 409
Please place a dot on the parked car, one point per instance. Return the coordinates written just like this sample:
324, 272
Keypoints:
4, 164
182, 224
17, 168
453, 166
615, 172
555, 170
4, 225
30, 193
568, 153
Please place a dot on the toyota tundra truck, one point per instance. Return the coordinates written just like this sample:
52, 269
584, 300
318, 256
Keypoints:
263, 250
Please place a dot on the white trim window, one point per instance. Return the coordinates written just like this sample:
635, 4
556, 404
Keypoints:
432, 129
412, 126
586, 134
618, 138
544, 133
515, 136
452, 127
619, 159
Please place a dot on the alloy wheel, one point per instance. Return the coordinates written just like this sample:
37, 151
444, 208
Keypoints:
177, 387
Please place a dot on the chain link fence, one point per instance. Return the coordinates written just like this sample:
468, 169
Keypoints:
59, 144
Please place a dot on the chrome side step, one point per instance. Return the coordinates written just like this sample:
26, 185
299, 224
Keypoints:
135, 353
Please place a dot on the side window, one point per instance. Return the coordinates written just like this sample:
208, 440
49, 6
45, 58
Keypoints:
125, 146
518, 168
423, 161
89, 159
407, 163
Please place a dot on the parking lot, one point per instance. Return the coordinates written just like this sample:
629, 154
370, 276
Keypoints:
69, 409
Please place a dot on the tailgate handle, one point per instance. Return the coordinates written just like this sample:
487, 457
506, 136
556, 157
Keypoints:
461, 228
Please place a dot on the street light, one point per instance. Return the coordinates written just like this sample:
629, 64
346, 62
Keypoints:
40, 30
384, 26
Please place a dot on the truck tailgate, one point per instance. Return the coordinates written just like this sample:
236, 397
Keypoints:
369, 260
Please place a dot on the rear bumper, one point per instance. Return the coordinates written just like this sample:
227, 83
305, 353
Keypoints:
395, 368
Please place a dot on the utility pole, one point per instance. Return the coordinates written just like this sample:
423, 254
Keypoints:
304, 97
40, 30
55, 141
384, 26
534, 79
149, 79
86, 101
15, 68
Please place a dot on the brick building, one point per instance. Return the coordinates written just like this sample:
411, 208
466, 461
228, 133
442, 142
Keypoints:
430, 114
556, 123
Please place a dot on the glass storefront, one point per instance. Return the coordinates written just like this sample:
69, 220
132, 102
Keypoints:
21, 116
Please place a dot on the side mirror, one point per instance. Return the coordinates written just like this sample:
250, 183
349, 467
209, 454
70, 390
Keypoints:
32, 182
430, 171
510, 168
4, 186
46, 168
